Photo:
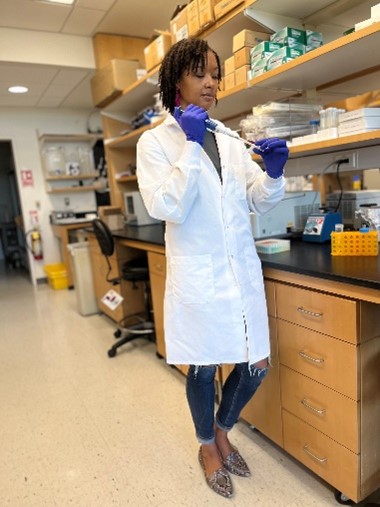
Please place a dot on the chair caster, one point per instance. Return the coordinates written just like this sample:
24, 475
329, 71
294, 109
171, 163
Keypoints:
117, 333
111, 353
342, 498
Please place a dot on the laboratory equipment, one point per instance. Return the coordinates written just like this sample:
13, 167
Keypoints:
350, 201
289, 215
320, 225
135, 211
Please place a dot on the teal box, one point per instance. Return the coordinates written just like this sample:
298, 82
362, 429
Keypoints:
313, 40
283, 55
289, 36
265, 47
259, 67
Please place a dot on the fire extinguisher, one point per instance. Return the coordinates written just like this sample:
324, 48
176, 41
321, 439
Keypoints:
36, 244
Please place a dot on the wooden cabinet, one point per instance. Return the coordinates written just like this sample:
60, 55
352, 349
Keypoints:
264, 409
329, 349
157, 275
68, 162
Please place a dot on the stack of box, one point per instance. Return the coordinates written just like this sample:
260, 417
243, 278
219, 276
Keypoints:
156, 50
242, 44
283, 46
222, 7
359, 121
375, 17
193, 18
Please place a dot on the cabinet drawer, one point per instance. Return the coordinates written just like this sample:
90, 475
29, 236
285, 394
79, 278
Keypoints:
270, 297
328, 411
327, 360
157, 264
327, 314
334, 463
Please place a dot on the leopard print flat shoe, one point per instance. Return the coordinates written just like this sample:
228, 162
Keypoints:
235, 464
219, 481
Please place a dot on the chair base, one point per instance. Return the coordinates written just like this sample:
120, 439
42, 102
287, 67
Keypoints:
139, 329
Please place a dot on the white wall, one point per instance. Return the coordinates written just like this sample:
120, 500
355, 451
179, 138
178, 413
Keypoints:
22, 127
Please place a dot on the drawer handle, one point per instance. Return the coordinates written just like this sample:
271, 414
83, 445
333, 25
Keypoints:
318, 360
319, 411
303, 310
319, 460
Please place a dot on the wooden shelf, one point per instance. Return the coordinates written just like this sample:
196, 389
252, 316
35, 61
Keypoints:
129, 140
127, 179
70, 138
65, 190
337, 144
69, 177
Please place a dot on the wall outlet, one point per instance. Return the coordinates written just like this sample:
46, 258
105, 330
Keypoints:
352, 160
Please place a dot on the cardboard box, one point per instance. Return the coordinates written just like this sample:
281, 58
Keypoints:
193, 18
117, 47
229, 81
225, 6
229, 65
247, 38
206, 13
156, 50
112, 79
241, 75
289, 36
242, 57
178, 26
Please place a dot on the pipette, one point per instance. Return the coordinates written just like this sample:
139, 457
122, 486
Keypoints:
212, 126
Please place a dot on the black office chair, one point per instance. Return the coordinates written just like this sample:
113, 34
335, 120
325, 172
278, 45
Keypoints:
135, 270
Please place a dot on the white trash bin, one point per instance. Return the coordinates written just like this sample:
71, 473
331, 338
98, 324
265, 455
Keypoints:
82, 272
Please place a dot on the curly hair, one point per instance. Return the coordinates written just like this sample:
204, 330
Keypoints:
187, 55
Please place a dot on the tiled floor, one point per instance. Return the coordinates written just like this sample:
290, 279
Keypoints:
80, 429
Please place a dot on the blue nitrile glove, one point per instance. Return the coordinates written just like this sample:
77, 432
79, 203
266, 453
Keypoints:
274, 153
192, 122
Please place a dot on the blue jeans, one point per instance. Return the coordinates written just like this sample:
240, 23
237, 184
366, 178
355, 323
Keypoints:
238, 389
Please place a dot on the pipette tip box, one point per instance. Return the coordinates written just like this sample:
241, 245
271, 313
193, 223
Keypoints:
272, 246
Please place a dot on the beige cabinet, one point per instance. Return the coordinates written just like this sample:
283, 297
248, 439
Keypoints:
157, 275
264, 409
329, 350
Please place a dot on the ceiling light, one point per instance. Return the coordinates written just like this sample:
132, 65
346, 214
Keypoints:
18, 89
66, 2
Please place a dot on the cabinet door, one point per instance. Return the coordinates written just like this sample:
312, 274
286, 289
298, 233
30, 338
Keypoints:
337, 416
327, 360
263, 411
328, 459
157, 275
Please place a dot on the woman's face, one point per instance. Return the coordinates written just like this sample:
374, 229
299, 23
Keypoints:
200, 88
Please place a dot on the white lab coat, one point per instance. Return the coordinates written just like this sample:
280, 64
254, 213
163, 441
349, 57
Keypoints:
215, 309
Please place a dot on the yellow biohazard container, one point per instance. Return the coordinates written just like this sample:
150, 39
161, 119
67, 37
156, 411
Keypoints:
354, 243
57, 276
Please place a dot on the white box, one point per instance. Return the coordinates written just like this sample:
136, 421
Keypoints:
375, 11
364, 112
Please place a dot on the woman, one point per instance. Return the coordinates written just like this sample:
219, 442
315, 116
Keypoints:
203, 186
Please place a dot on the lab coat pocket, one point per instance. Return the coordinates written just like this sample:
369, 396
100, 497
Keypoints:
192, 279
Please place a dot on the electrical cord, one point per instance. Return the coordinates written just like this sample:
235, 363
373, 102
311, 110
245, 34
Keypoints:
338, 162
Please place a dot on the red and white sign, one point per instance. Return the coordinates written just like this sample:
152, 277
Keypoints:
27, 178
